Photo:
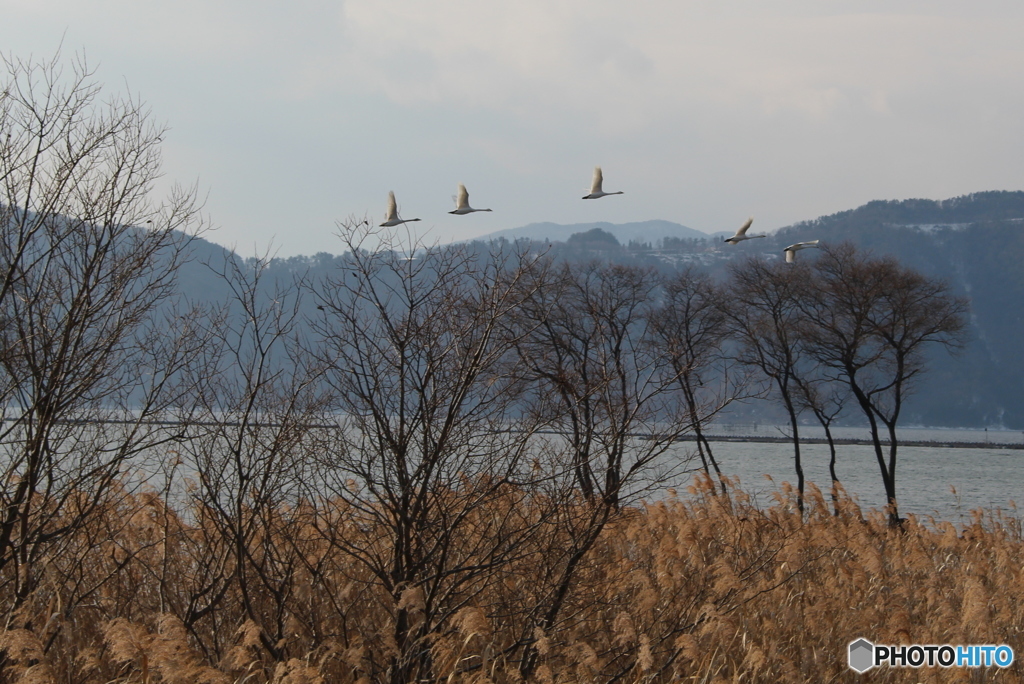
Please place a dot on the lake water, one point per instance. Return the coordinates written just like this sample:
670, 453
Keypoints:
912, 434
982, 478
988, 478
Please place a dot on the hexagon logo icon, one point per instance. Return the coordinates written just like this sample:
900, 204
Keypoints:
862, 654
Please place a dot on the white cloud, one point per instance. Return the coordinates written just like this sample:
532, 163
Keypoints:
618, 69
703, 110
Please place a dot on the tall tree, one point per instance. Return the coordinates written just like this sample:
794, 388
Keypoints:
764, 314
871, 319
689, 329
602, 389
416, 343
87, 261
825, 397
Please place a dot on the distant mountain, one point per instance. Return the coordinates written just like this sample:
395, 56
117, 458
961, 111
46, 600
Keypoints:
644, 231
975, 242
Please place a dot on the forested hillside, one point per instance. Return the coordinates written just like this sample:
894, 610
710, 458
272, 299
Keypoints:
976, 242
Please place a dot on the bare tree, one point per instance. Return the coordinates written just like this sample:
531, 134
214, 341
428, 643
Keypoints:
603, 389
871, 319
590, 355
690, 329
826, 398
87, 263
432, 446
764, 314
258, 401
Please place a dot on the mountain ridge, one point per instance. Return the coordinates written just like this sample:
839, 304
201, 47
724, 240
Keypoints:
636, 231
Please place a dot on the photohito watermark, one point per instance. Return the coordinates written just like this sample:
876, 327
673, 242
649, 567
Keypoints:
864, 655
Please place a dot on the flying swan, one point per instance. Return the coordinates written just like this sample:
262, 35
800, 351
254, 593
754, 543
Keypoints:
741, 234
462, 202
595, 187
391, 217
794, 248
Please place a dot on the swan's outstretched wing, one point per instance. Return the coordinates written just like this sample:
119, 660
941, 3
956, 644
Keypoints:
595, 186
462, 201
743, 229
797, 246
392, 212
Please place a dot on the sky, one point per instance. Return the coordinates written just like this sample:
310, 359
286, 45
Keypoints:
297, 118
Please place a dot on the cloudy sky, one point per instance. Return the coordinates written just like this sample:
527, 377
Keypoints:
295, 116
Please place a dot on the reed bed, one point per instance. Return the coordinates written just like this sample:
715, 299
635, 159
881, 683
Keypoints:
695, 587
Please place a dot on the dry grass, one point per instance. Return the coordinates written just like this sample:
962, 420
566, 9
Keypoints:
701, 588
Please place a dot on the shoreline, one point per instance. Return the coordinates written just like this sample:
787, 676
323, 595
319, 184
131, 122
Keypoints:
847, 441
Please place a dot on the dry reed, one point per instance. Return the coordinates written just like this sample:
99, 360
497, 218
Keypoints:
701, 588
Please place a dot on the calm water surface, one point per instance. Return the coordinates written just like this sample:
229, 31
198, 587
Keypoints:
925, 476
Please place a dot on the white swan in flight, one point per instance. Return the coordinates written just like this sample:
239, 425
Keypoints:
741, 234
595, 187
462, 202
391, 217
794, 248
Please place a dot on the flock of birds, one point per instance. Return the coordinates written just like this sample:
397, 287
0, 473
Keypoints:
462, 207
790, 251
